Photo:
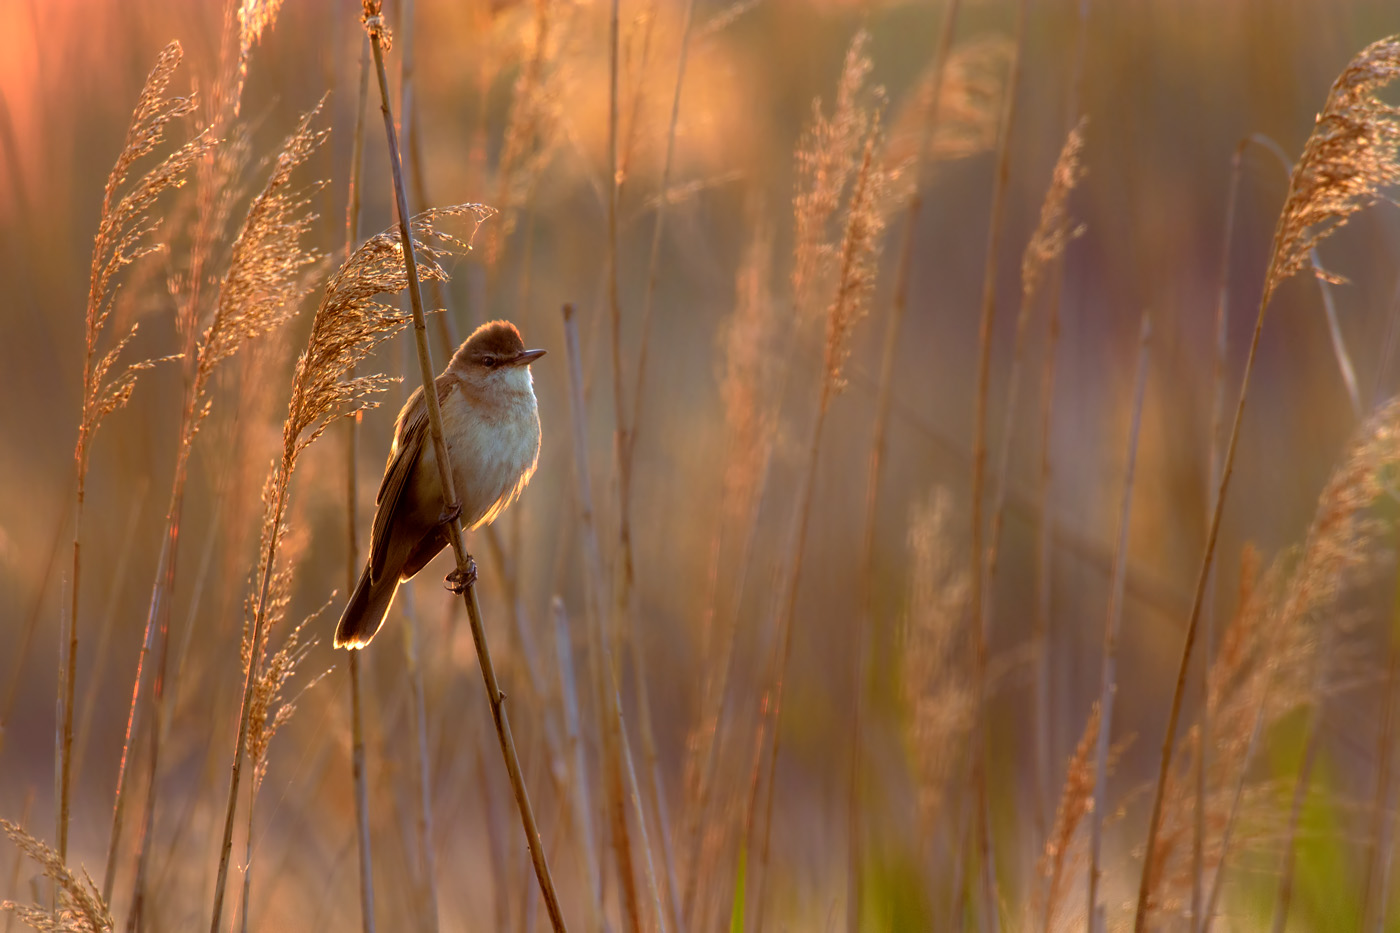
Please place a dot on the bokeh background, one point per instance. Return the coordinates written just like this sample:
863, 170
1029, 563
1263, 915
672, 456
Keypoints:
1169, 87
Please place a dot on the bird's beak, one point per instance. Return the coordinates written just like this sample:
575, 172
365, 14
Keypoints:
526, 357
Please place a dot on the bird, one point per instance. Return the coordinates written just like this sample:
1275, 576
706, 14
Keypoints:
491, 426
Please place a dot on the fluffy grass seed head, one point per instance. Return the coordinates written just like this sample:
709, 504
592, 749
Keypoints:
1350, 156
124, 235
81, 910
350, 323
1055, 230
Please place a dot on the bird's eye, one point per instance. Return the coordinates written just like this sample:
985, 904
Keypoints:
488, 361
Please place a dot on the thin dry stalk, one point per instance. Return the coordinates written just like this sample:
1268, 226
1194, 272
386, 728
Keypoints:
352, 550
578, 766
422, 797
1199, 915
652, 761
604, 672
1109, 689
857, 260
981, 584
1350, 156
348, 325
378, 38
1373, 888
855, 830
124, 231
749, 339
1042, 715
658, 226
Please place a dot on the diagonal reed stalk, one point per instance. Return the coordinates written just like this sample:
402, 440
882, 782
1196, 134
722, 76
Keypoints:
875, 462
652, 762
857, 260
377, 35
352, 551
621, 774
987, 883
1109, 688
1200, 914
1350, 155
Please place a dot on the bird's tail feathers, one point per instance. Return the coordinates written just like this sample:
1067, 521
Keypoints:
365, 611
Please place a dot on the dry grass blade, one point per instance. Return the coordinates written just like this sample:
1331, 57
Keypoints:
84, 910
124, 234
1350, 156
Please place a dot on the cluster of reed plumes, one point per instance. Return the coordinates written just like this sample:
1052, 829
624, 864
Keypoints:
758, 660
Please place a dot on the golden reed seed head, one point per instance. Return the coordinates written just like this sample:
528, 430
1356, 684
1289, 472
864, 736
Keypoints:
1349, 157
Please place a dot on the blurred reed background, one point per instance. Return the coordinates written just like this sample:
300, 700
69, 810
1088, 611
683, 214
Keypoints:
923, 777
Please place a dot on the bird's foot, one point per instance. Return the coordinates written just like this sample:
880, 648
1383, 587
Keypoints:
450, 513
458, 580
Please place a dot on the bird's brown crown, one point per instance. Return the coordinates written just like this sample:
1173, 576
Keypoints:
491, 342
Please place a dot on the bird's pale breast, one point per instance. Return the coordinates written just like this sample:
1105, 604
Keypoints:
493, 445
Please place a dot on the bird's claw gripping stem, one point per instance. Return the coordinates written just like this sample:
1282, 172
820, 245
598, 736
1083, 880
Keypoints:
450, 513
458, 580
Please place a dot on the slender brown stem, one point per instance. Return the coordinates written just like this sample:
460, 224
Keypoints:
454, 530
875, 461
603, 669
352, 549
578, 766
654, 262
1200, 916
1109, 688
1193, 625
981, 621
249, 679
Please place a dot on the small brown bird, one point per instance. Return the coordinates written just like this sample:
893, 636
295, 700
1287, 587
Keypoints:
492, 430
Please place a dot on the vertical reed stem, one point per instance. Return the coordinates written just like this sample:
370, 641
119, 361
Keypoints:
1109, 688
454, 531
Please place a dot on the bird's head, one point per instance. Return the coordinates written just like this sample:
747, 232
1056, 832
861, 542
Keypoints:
494, 355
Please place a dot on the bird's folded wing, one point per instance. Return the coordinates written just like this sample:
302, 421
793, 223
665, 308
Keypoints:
409, 441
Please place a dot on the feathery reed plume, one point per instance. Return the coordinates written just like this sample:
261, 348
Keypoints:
261, 290
1350, 155
124, 234
83, 910
1109, 684
827, 155
348, 325
936, 690
1077, 800
855, 258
